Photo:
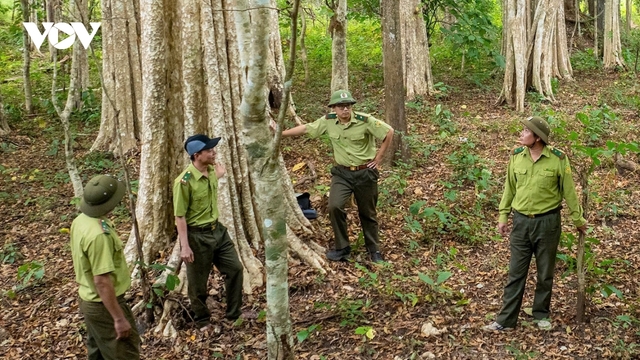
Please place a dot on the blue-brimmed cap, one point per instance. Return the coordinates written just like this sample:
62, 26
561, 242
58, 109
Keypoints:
199, 142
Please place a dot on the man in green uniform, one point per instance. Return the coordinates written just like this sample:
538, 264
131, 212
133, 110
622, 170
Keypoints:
102, 274
203, 240
538, 178
352, 136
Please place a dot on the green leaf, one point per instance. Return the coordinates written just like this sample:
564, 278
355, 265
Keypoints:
443, 276
426, 278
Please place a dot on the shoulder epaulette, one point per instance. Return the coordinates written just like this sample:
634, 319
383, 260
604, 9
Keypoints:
557, 152
362, 117
331, 116
518, 150
185, 178
105, 226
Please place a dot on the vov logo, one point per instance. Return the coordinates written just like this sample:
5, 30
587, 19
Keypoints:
52, 30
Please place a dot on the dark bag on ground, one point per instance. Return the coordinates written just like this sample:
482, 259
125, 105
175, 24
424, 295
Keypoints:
304, 201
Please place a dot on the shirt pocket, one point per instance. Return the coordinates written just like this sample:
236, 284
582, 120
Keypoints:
547, 179
200, 200
358, 140
521, 177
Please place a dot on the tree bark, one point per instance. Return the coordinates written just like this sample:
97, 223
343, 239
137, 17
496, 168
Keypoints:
26, 55
415, 50
612, 47
394, 93
339, 64
184, 43
535, 50
265, 172
122, 73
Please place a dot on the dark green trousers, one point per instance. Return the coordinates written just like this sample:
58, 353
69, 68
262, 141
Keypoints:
101, 334
213, 247
363, 184
539, 236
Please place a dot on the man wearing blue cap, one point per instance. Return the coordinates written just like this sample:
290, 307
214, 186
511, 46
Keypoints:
203, 240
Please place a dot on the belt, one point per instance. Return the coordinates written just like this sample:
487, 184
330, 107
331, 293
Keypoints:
533, 216
204, 228
353, 168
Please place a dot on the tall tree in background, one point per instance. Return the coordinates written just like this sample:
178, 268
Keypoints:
26, 53
612, 47
338, 31
535, 49
394, 93
418, 80
193, 83
122, 73
80, 13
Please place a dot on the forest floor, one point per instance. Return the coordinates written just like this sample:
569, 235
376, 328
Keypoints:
445, 268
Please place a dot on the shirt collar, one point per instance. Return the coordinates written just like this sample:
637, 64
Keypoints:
194, 171
352, 121
545, 151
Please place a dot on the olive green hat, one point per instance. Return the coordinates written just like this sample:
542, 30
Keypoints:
538, 126
341, 97
101, 194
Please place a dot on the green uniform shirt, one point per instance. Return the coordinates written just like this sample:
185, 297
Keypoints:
97, 250
354, 142
536, 188
196, 197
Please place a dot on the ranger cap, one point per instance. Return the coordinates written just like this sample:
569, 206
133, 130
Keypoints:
538, 126
101, 194
341, 97
199, 142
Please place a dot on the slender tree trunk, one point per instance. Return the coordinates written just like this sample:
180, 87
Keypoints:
339, 64
52, 9
612, 47
4, 125
303, 46
80, 13
26, 55
393, 77
628, 11
64, 114
415, 50
122, 73
265, 172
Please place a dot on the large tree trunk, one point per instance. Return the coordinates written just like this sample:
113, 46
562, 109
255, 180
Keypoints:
535, 50
415, 50
338, 30
193, 83
26, 55
612, 46
393, 77
122, 74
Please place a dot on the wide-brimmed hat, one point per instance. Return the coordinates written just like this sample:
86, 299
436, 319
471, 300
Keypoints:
538, 126
199, 142
341, 97
101, 194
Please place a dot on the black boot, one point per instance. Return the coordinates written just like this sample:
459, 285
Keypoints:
340, 254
